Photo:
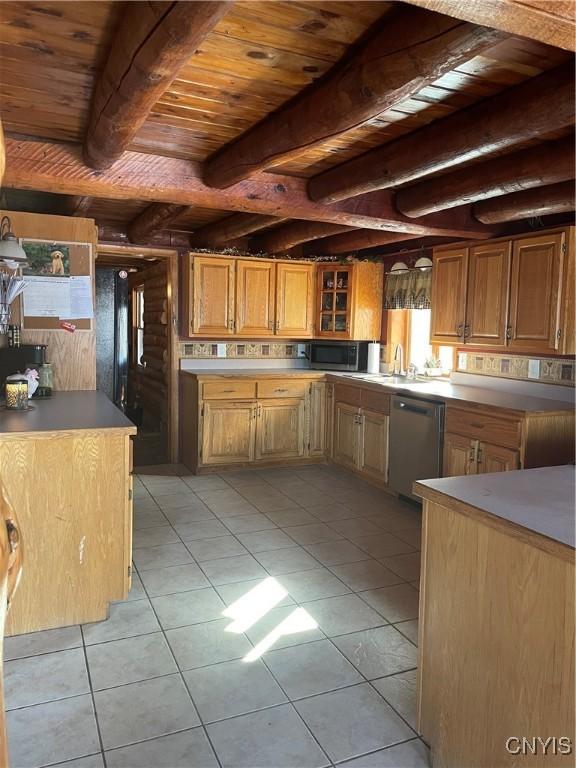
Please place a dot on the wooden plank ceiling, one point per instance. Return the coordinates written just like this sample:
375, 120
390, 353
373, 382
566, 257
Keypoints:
241, 62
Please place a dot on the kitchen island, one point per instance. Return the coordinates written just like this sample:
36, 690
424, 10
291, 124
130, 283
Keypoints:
496, 631
65, 466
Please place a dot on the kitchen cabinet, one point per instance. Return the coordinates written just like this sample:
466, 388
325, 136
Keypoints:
228, 432
346, 435
237, 420
253, 298
512, 293
478, 441
294, 300
374, 445
448, 291
211, 296
349, 301
487, 299
535, 290
280, 429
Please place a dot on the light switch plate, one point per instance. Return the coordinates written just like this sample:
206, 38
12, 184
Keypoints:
533, 369
221, 350
462, 360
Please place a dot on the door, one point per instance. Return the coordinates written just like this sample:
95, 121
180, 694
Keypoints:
213, 296
374, 445
228, 432
460, 455
281, 429
334, 302
535, 292
488, 286
255, 297
294, 299
493, 458
317, 420
346, 434
448, 296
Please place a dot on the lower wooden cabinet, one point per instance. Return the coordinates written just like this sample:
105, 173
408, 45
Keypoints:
318, 419
494, 458
228, 432
280, 429
361, 440
458, 456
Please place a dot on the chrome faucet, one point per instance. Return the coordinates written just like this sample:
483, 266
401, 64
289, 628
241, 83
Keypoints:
398, 369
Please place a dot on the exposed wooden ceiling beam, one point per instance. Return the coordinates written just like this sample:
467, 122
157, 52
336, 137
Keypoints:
286, 237
152, 43
43, 166
544, 20
231, 228
155, 218
79, 205
109, 233
531, 109
357, 240
544, 164
540, 201
412, 48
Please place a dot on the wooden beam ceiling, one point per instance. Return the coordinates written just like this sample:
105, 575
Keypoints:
289, 235
549, 21
540, 201
533, 108
155, 218
152, 43
544, 164
231, 228
412, 48
357, 240
59, 168
79, 205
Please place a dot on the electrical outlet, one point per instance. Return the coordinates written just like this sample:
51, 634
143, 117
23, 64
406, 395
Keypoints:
302, 350
533, 369
221, 350
462, 360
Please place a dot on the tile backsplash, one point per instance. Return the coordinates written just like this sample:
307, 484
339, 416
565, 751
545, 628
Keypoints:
253, 350
547, 370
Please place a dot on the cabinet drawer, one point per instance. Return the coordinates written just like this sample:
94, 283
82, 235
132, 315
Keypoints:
282, 388
485, 427
376, 401
229, 390
345, 394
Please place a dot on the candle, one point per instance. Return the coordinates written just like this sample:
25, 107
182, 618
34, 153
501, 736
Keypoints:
17, 392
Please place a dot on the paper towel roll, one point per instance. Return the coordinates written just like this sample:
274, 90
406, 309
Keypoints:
373, 358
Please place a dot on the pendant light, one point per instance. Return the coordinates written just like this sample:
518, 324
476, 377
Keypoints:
11, 252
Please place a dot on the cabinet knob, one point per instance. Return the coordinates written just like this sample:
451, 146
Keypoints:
508, 332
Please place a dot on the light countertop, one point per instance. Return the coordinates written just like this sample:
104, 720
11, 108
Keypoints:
540, 500
433, 389
63, 412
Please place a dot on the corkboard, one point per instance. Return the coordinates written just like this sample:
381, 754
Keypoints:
77, 261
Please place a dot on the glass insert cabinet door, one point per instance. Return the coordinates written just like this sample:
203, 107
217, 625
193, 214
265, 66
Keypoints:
335, 297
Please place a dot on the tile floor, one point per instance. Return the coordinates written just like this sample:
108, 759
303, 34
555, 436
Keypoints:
272, 623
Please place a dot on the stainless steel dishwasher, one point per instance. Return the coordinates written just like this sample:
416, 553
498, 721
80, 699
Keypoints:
415, 442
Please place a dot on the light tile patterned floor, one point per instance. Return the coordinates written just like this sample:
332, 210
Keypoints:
272, 623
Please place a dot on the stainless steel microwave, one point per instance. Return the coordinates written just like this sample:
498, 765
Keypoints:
339, 355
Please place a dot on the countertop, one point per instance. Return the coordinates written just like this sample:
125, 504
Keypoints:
539, 500
433, 389
64, 412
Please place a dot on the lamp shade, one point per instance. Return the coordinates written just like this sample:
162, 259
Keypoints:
399, 266
423, 263
11, 250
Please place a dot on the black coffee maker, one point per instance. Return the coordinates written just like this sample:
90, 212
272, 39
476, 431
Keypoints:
18, 359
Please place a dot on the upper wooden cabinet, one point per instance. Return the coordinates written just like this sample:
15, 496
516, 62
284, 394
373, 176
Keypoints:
487, 300
252, 298
255, 297
516, 293
211, 296
349, 301
535, 291
294, 299
448, 290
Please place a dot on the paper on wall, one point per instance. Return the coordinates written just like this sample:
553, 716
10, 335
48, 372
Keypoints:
46, 296
81, 305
